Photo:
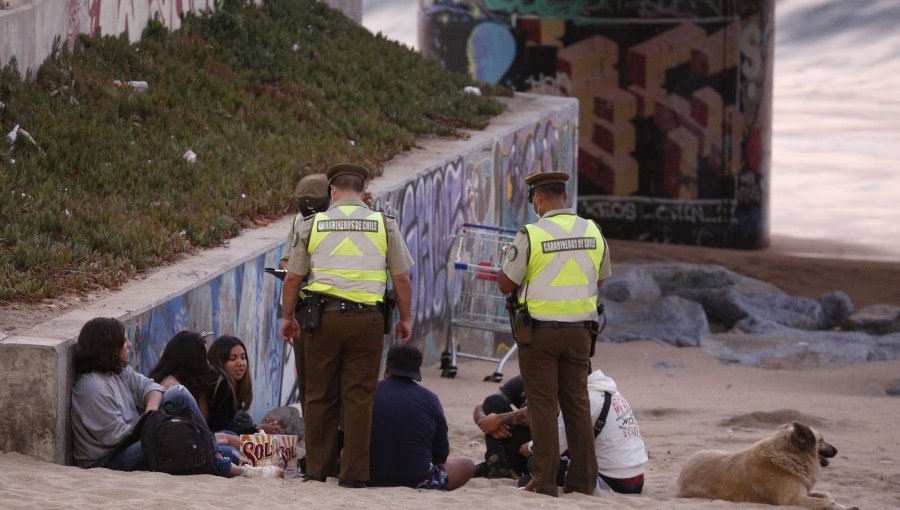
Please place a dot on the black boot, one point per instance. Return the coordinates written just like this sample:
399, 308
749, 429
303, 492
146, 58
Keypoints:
482, 469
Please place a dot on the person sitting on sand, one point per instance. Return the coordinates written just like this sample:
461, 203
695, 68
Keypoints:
502, 458
621, 455
109, 399
409, 444
183, 361
231, 390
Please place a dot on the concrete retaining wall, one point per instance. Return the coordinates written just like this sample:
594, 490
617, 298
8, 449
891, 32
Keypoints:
431, 191
29, 28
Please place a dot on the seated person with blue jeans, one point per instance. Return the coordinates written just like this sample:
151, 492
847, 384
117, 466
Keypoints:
109, 398
409, 444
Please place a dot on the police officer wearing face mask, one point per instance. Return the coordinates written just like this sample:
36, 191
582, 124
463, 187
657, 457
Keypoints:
557, 265
312, 195
347, 253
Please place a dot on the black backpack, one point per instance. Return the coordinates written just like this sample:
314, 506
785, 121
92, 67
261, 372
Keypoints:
178, 444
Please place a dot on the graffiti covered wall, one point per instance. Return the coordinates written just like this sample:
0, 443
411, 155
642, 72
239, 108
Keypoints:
675, 95
242, 302
483, 185
27, 33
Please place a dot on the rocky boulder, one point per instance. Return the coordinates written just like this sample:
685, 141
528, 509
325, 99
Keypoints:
759, 342
628, 284
728, 306
681, 278
672, 320
728, 297
836, 308
877, 319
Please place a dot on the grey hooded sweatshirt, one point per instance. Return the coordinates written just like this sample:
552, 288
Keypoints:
105, 409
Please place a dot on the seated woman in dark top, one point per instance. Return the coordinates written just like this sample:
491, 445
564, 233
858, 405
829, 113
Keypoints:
231, 390
184, 362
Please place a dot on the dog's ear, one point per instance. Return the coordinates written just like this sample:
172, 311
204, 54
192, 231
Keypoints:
803, 436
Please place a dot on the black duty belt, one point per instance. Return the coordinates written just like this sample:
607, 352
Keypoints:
338, 305
557, 324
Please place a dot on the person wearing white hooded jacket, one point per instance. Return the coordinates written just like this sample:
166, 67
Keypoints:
621, 455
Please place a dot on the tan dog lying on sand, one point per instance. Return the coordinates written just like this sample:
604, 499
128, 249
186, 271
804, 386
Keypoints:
778, 470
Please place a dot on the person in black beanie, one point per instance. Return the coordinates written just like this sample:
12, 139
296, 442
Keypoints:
409, 431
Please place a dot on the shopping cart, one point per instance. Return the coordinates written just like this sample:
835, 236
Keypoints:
476, 301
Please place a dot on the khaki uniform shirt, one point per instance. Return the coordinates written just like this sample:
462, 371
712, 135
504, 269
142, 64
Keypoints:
516, 261
289, 242
399, 260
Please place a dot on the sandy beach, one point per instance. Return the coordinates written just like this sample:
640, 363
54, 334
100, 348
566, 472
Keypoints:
700, 404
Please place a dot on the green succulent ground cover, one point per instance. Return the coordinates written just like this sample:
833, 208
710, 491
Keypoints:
261, 95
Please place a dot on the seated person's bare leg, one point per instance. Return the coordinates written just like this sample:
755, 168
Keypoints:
459, 471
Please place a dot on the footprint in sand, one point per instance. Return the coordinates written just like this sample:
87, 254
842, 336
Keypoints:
770, 419
659, 413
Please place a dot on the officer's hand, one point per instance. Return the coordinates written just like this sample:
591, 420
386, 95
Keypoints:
403, 331
289, 329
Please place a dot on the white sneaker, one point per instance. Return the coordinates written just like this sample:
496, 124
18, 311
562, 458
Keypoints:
262, 471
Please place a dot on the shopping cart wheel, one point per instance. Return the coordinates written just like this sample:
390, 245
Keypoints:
445, 360
495, 377
449, 372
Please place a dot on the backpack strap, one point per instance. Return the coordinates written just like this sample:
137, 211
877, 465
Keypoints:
601, 420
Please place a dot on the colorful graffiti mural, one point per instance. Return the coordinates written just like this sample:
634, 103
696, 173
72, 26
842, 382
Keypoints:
242, 302
675, 119
485, 186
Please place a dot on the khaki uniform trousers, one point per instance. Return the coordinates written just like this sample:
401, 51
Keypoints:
343, 358
555, 367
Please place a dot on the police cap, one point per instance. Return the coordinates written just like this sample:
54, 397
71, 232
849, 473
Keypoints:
536, 179
347, 169
312, 191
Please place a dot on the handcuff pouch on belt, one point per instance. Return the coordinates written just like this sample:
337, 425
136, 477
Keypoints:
519, 319
390, 302
309, 313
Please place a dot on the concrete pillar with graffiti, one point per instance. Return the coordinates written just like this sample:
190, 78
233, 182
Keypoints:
675, 102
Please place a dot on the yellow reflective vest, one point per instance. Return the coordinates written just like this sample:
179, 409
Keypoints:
348, 254
560, 282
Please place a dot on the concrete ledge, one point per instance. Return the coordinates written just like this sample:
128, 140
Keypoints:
35, 387
431, 190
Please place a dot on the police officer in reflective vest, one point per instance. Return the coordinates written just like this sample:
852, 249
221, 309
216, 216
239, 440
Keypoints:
312, 197
347, 253
556, 266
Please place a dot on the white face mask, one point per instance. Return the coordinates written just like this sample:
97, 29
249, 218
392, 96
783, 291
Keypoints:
534, 204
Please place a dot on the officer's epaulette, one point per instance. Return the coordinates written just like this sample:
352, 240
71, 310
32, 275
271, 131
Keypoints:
309, 216
389, 216
523, 230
